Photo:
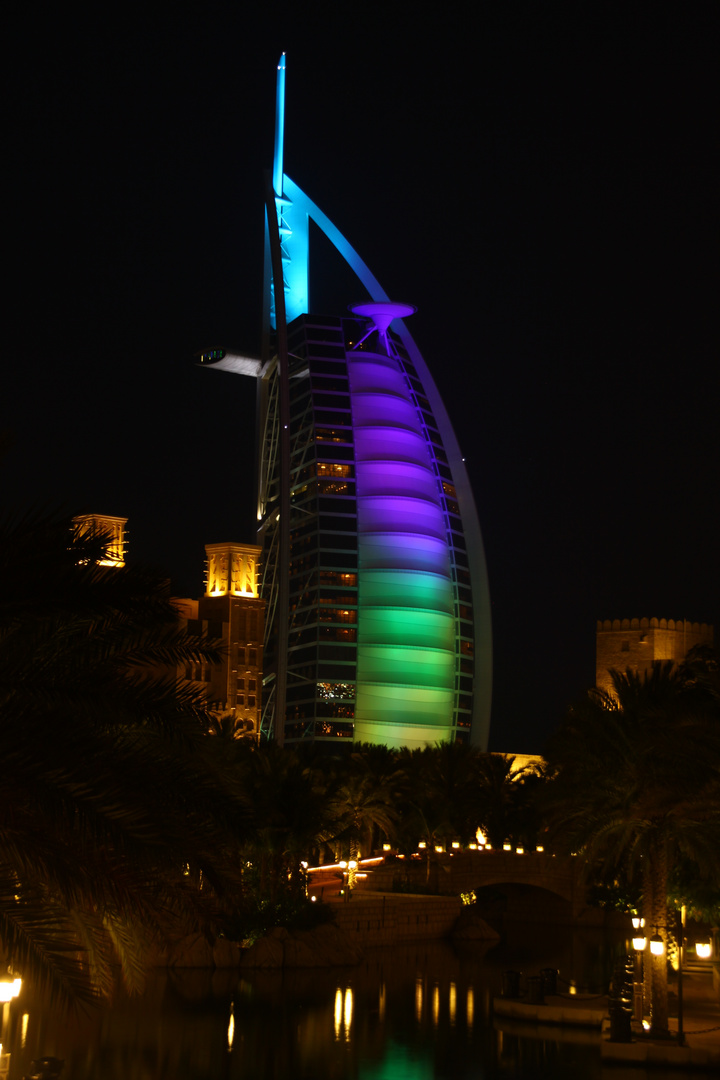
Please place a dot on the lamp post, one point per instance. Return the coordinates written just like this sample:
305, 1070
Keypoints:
639, 942
681, 946
657, 948
9, 989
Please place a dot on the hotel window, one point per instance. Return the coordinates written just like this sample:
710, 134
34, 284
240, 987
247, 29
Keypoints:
335, 469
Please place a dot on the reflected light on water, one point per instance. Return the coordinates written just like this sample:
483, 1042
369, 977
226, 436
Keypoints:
343, 1013
338, 1012
231, 1027
388, 1016
348, 1012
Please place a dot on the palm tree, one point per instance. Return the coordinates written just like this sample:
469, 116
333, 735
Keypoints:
362, 798
637, 786
496, 796
117, 816
290, 816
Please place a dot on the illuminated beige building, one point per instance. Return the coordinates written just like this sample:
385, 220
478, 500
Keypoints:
104, 525
232, 612
636, 643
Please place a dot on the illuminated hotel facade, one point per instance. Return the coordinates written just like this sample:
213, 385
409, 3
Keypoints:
373, 570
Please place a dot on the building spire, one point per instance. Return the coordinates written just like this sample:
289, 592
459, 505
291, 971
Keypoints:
279, 128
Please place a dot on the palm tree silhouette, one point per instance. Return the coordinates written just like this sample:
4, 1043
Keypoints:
118, 818
637, 786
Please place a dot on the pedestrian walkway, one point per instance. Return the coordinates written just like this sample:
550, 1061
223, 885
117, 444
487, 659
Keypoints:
701, 1029
570, 1012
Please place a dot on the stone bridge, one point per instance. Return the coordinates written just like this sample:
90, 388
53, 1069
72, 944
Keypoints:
465, 871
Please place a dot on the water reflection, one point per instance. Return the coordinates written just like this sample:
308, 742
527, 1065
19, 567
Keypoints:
417, 1013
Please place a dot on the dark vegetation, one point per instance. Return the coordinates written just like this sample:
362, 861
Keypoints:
124, 823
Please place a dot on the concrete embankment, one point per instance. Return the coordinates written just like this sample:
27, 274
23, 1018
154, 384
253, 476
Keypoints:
367, 920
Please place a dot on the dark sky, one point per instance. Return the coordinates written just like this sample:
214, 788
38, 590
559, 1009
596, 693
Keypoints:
539, 179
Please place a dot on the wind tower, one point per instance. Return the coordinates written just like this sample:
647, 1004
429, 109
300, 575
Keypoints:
373, 570
111, 528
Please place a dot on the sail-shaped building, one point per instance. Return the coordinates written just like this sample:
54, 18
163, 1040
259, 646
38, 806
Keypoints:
373, 570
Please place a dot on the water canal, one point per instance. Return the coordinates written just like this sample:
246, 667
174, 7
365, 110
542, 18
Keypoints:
419, 1012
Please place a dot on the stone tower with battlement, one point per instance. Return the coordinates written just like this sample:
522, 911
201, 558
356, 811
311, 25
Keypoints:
113, 528
232, 613
636, 643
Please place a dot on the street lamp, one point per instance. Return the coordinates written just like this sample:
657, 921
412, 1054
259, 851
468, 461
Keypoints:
639, 942
9, 989
681, 950
657, 945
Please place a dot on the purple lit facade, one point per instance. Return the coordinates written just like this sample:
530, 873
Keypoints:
381, 638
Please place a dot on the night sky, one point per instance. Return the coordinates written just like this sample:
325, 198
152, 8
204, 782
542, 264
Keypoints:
539, 179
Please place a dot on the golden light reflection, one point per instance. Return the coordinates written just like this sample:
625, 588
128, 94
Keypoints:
338, 1012
343, 1013
436, 1004
348, 1012
470, 1007
381, 1002
231, 1027
418, 999
452, 1003
23, 1030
